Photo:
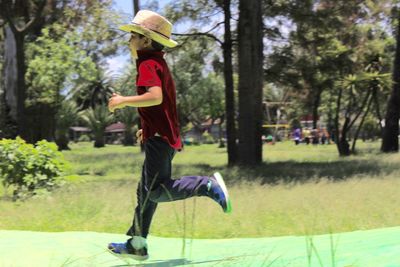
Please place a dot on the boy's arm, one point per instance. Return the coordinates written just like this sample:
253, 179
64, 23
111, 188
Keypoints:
152, 97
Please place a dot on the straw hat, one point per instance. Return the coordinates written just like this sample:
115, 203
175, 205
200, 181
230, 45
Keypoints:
152, 25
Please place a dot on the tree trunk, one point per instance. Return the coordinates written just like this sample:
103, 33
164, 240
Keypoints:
390, 140
99, 140
21, 86
331, 125
62, 142
377, 109
9, 86
342, 144
10, 77
2, 114
340, 136
12, 11
15, 69
128, 136
40, 123
353, 147
220, 133
136, 7
250, 37
316, 103
338, 106
229, 90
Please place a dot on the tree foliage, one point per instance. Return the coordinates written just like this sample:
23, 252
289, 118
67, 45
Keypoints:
53, 63
199, 93
326, 63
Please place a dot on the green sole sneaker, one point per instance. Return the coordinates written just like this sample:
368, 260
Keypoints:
226, 202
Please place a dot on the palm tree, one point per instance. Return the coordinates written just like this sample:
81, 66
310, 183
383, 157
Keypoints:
66, 116
358, 95
89, 94
129, 117
97, 120
125, 85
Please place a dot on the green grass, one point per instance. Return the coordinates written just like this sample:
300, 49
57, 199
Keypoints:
298, 190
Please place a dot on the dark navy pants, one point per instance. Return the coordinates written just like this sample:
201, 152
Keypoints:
157, 186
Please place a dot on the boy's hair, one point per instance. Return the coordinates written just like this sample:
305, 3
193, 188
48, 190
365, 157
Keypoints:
154, 44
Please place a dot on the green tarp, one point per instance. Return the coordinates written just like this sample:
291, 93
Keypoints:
375, 248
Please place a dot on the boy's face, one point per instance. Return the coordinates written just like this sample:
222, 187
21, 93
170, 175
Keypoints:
137, 42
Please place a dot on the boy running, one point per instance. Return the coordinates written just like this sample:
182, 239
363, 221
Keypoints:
156, 103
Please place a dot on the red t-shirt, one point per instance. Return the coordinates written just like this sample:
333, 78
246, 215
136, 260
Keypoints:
161, 119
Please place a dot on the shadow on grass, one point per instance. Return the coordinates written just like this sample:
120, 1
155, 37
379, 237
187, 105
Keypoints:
292, 171
170, 263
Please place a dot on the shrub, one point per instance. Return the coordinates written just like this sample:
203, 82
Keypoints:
28, 169
208, 138
84, 138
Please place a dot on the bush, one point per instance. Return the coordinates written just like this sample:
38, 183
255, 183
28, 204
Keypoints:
30, 170
84, 138
208, 138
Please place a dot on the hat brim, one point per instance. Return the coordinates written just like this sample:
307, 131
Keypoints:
149, 33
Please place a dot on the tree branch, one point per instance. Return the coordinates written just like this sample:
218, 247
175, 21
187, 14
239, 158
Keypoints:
361, 109
35, 19
200, 34
216, 26
6, 14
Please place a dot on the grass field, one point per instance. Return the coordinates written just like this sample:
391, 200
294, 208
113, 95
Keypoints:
299, 190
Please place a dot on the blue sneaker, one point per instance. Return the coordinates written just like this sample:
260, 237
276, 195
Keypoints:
218, 192
127, 250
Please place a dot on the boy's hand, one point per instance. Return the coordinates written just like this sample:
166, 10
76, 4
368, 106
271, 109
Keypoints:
139, 135
115, 102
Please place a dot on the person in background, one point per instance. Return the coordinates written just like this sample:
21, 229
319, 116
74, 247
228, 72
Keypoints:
297, 136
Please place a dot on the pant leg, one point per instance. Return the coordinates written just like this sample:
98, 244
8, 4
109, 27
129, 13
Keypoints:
156, 185
179, 189
156, 167
165, 188
144, 210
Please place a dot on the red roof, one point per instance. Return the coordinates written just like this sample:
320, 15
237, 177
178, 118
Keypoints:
79, 129
308, 117
115, 127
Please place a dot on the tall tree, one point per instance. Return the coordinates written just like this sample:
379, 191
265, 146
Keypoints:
194, 87
7, 125
25, 21
390, 139
66, 116
301, 63
360, 46
204, 13
250, 58
52, 63
334, 41
229, 89
21, 17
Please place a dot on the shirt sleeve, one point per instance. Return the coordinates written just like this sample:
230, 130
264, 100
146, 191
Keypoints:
149, 74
